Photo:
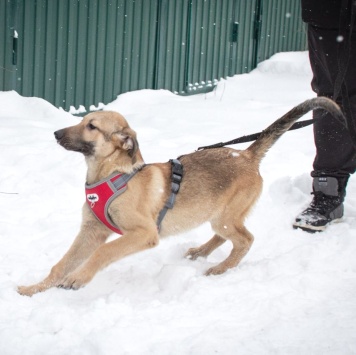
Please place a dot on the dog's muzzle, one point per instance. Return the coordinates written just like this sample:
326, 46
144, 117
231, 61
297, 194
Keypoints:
65, 140
59, 134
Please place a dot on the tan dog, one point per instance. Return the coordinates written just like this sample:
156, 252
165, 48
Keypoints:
219, 185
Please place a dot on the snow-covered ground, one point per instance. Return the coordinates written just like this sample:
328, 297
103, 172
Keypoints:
294, 293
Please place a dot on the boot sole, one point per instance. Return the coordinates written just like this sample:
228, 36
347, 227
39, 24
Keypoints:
314, 229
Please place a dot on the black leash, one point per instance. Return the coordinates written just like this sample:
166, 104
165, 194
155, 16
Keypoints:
253, 137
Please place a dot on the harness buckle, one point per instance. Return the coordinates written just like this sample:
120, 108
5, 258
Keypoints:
177, 175
176, 178
175, 187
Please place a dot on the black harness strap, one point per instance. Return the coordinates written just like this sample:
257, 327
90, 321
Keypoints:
124, 179
177, 176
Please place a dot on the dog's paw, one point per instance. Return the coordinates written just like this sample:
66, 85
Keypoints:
194, 253
216, 270
27, 290
75, 281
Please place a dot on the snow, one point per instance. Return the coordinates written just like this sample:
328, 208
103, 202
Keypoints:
294, 293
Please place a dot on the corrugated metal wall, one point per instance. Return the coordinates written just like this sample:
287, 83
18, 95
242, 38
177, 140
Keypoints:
203, 41
85, 52
82, 52
7, 67
172, 44
209, 41
246, 15
281, 28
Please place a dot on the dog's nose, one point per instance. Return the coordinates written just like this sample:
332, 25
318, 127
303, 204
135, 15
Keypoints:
59, 134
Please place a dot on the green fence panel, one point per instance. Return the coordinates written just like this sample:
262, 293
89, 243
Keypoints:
83, 52
172, 45
243, 38
210, 46
8, 43
281, 28
139, 47
5, 66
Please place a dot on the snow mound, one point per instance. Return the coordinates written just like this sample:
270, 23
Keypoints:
293, 63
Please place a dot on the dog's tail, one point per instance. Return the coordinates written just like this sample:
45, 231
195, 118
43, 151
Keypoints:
271, 134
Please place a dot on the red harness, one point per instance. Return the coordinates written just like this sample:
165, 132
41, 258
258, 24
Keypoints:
100, 195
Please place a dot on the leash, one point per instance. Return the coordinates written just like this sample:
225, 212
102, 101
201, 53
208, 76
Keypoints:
253, 137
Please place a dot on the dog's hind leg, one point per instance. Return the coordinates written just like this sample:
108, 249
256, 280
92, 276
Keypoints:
205, 249
241, 240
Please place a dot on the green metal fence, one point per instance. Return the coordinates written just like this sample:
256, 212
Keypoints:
7, 42
281, 28
82, 52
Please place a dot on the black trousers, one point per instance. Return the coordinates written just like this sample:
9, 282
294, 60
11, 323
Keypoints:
335, 152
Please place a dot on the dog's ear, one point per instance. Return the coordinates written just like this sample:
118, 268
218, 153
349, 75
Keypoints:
128, 141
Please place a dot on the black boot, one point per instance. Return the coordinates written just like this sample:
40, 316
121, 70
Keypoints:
327, 205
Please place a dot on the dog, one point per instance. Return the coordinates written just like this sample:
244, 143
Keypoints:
219, 186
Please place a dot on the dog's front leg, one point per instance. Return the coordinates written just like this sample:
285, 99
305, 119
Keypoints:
129, 243
90, 237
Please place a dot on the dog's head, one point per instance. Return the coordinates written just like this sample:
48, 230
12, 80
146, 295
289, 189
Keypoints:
99, 135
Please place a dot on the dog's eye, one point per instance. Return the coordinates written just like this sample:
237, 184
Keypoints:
91, 126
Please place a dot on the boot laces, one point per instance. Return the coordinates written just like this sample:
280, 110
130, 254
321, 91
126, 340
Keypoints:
323, 204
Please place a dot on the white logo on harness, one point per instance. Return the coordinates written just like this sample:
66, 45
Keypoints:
92, 198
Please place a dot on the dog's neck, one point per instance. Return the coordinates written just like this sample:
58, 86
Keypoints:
99, 169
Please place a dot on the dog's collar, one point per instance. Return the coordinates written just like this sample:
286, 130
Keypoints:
100, 195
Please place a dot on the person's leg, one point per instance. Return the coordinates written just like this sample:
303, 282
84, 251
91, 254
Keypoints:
335, 156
